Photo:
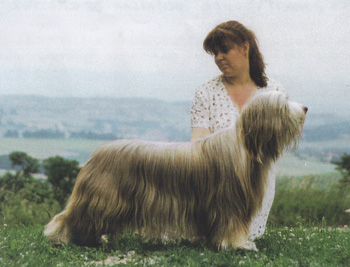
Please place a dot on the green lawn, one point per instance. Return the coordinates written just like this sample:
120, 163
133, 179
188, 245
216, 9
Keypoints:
300, 246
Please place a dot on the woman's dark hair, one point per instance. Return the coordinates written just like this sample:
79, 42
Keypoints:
233, 32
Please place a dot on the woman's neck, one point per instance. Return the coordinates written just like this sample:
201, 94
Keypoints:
238, 81
236, 87
240, 91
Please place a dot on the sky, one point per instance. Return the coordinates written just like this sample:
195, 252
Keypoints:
153, 48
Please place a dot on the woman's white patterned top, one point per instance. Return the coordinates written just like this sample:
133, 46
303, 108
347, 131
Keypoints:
213, 109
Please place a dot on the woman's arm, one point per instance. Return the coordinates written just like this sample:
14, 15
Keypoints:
198, 133
200, 113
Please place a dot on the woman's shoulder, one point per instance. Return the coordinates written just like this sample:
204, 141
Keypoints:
212, 83
274, 85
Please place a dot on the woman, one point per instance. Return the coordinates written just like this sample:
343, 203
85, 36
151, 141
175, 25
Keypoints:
218, 103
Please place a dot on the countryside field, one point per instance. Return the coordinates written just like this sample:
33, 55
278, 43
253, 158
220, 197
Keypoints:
81, 150
43, 148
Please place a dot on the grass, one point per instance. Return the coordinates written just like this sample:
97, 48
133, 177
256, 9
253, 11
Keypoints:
311, 198
299, 246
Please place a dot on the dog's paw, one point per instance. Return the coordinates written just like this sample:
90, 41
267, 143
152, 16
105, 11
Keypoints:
249, 245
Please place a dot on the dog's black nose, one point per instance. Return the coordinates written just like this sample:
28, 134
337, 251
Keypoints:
305, 109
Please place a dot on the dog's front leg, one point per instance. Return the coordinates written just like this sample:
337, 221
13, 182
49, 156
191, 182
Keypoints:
237, 238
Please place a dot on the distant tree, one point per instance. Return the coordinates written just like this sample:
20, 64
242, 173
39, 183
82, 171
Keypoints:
27, 164
61, 173
11, 134
48, 134
13, 182
93, 136
36, 189
344, 168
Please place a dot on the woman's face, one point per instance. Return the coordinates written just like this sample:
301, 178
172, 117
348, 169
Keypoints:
233, 61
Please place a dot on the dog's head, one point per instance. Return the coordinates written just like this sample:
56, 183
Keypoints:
271, 123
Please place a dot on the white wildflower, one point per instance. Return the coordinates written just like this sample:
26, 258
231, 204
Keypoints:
104, 238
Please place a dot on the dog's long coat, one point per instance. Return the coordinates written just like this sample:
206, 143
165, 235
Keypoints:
205, 190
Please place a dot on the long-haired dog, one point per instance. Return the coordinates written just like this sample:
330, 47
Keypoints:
207, 190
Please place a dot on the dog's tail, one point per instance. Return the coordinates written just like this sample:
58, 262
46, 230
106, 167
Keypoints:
57, 230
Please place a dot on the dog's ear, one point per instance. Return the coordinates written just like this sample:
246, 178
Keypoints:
252, 132
263, 127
